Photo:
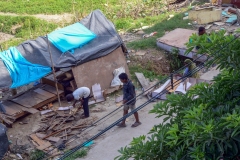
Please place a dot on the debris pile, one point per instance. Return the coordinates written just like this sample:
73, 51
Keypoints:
216, 15
58, 127
171, 86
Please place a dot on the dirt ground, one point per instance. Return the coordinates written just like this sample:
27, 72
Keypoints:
5, 37
153, 60
57, 18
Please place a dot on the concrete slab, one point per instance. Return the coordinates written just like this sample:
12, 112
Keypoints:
177, 39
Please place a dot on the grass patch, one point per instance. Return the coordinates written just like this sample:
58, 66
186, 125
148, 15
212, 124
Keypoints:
77, 154
161, 26
36, 154
147, 73
121, 8
24, 27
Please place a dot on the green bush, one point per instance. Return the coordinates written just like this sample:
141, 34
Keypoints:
205, 122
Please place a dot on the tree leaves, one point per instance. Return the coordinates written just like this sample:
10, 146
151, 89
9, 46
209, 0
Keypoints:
205, 122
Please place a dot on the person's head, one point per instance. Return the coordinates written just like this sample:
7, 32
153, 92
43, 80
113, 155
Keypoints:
123, 77
187, 61
201, 31
69, 97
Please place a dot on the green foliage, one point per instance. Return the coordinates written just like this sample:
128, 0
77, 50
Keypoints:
114, 8
225, 49
162, 25
36, 154
205, 122
77, 154
175, 62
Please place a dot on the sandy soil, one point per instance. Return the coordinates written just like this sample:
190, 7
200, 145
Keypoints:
5, 37
57, 18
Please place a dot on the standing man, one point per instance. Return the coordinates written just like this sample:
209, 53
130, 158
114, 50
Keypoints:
81, 94
129, 99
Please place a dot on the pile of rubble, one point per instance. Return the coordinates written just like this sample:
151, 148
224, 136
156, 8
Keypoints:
215, 16
58, 127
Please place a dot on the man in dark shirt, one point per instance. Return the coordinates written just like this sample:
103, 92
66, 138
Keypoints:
129, 99
201, 31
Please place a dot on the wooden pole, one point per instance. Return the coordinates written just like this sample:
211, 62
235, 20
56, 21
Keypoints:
54, 74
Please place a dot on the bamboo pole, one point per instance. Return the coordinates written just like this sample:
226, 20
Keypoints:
54, 74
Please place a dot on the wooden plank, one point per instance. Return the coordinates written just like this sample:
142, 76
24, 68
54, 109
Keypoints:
43, 103
44, 93
204, 17
175, 85
21, 114
40, 135
52, 139
36, 139
30, 110
42, 143
51, 89
11, 108
142, 80
35, 100
29, 99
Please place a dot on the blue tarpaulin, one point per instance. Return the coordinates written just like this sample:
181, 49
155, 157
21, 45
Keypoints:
21, 71
232, 19
71, 37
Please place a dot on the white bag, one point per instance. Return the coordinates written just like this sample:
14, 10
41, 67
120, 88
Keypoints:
116, 81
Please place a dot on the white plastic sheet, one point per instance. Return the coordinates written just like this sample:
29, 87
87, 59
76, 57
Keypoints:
116, 81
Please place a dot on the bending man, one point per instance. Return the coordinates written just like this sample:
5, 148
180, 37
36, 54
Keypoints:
81, 94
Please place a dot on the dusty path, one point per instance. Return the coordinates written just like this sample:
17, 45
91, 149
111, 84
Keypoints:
106, 148
57, 18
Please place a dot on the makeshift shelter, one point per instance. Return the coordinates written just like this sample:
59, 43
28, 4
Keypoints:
86, 53
69, 46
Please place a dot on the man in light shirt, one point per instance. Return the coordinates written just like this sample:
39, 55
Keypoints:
81, 94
